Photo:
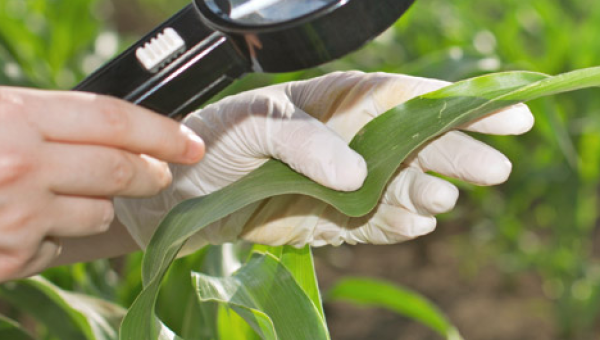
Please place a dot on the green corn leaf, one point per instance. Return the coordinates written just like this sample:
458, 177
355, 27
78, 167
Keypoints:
10, 329
66, 315
232, 326
267, 296
405, 302
300, 264
384, 143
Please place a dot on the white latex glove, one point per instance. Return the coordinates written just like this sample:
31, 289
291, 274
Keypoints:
307, 125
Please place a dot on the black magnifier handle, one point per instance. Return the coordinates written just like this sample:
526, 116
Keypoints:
206, 46
173, 69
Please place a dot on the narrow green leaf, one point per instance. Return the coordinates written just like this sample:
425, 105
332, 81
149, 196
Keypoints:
48, 309
67, 315
198, 320
560, 133
10, 329
405, 302
204, 321
258, 321
233, 326
300, 264
268, 297
384, 143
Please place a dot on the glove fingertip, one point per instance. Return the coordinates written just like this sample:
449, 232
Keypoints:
349, 172
496, 172
423, 226
443, 198
416, 226
514, 120
521, 121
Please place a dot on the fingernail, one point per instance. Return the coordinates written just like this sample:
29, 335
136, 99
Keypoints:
194, 149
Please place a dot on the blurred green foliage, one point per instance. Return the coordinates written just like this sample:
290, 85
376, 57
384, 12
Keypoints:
43, 43
543, 220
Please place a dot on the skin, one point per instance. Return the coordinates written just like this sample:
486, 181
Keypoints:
63, 156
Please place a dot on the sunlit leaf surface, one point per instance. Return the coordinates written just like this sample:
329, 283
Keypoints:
267, 296
300, 263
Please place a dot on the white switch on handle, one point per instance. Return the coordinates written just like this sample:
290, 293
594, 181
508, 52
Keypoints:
161, 49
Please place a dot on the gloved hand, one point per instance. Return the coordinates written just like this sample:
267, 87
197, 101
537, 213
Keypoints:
307, 125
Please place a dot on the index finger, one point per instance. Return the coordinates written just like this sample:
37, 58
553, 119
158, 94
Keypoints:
85, 118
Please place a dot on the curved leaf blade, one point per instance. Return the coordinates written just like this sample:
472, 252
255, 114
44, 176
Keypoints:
257, 291
10, 329
377, 293
301, 265
233, 326
67, 315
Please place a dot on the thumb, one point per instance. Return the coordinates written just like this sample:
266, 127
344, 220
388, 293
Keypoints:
314, 150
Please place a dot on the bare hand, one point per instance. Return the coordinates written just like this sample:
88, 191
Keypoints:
63, 155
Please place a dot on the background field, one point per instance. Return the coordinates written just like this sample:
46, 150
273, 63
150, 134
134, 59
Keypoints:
517, 261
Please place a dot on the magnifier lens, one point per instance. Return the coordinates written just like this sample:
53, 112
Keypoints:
261, 12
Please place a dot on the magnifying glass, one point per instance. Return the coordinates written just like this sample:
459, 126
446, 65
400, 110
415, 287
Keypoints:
210, 43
